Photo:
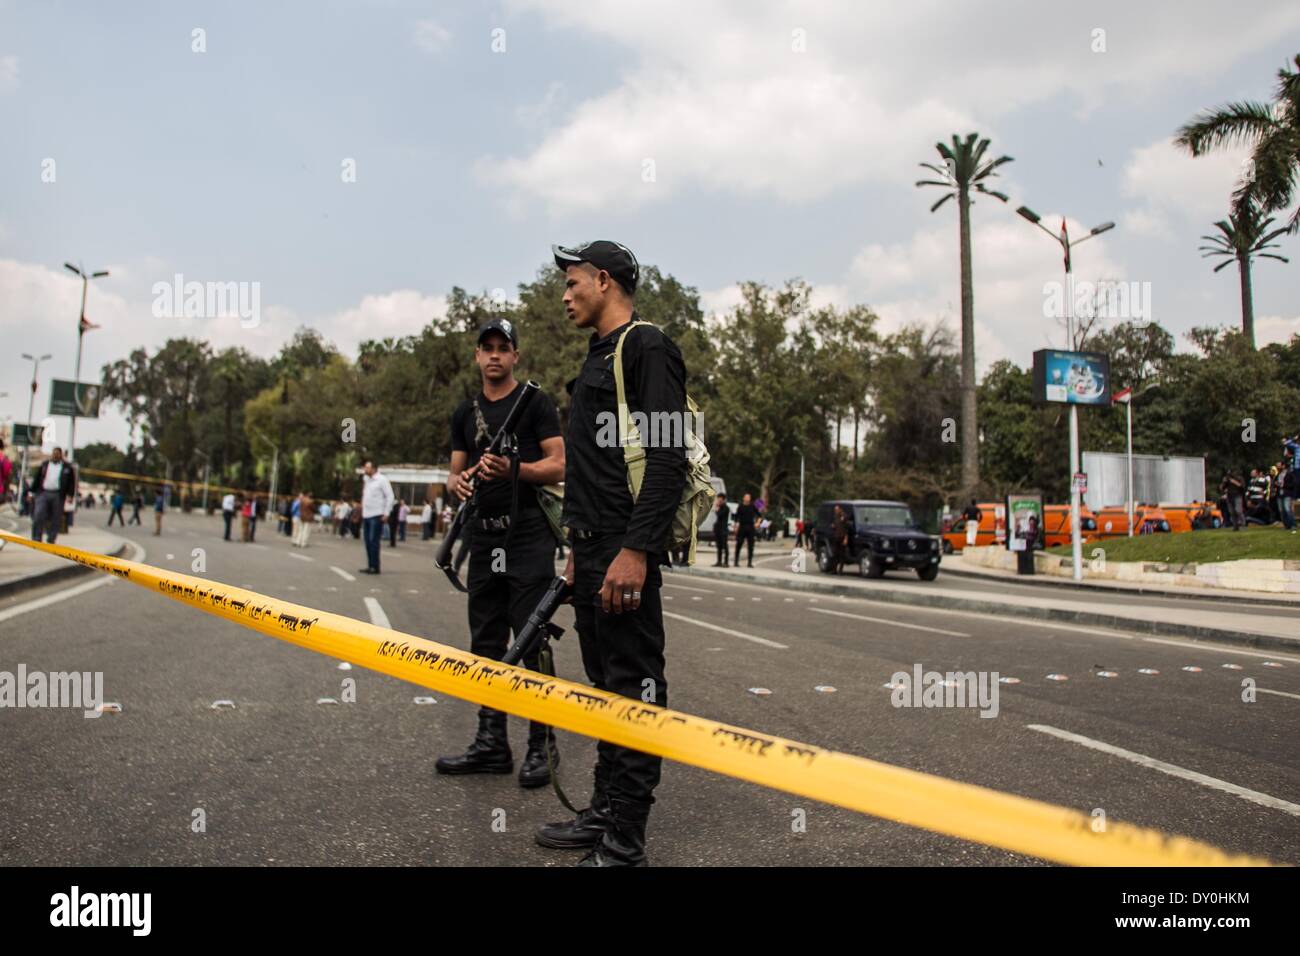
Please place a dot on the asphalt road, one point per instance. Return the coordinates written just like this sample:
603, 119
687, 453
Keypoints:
282, 779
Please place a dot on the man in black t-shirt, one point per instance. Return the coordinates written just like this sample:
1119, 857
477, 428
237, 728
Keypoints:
746, 515
512, 547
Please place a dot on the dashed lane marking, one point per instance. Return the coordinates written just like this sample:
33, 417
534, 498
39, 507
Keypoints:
891, 623
341, 573
726, 630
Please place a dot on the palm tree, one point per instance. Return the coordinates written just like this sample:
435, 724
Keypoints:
965, 169
1242, 237
1274, 133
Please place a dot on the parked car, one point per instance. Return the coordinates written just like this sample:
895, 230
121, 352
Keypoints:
883, 536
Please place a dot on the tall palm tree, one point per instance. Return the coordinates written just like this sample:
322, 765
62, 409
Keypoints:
965, 170
1273, 130
1242, 237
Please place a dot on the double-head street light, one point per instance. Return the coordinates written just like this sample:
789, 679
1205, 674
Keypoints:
82, 326
1063, 238
31, 401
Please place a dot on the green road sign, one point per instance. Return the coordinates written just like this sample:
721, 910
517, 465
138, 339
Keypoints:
27, 435
74, 399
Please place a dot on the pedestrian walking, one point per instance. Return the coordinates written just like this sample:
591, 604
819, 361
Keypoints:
1233, 489
426, 521
247, 511
137, 502
117, 503
746, 516
403, 512
159, 506
228, 511
721, 519
305, 518
55, 484
376, 503
973, 517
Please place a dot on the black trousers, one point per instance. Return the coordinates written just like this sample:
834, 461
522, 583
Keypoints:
227, 517
505, 586
720, 540
744, 533
622, 654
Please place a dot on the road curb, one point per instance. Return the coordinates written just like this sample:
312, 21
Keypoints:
919, 599
53, 575
1044, 581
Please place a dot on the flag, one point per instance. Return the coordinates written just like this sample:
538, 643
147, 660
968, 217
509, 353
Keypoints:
1124, 395
87, 325
1065, 243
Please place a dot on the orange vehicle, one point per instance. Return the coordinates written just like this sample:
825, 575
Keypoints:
992, 529
1056, 524
1158, 519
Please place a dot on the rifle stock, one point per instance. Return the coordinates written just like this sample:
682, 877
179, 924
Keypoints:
539, 627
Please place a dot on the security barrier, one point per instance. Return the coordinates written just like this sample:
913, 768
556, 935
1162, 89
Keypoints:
944, 806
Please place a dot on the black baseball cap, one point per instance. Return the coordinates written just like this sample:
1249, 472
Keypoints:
504, 326
614, 257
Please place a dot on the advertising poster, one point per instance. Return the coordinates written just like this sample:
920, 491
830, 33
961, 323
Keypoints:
72, 398
1072, 378
1024, 522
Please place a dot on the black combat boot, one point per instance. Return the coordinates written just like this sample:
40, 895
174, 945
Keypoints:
490, 751
534, 772
583, 831
623, 842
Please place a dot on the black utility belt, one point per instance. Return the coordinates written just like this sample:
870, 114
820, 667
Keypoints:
502, 522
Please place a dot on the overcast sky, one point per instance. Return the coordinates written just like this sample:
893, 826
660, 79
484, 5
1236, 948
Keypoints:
721, 141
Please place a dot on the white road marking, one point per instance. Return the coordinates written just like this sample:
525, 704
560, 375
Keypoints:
100, 580
377, 615
1280, 693
881, 620
1272, 656
1254, 796
726, 630
683, 587
300, 557
341, 573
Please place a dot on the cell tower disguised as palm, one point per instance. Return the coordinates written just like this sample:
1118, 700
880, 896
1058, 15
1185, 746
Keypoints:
1242, 237
965, 170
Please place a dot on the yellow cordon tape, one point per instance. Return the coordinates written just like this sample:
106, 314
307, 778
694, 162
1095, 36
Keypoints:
919, 799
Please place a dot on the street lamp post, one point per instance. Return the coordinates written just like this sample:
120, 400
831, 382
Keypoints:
275, 466
81, 331
1076, 541
800, 483
31, 402
207, 462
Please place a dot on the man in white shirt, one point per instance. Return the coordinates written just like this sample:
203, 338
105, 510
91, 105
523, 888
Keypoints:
228, 511
55, 484
376, 502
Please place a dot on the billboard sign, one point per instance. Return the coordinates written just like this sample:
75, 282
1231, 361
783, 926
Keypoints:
76, 400
27, 436
1072, 378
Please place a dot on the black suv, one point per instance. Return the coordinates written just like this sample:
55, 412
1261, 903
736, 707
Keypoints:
883, 536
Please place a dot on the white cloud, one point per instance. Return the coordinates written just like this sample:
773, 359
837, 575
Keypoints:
1275, 328
383, 315
728, 104
431, 36
1166, 182
8, 73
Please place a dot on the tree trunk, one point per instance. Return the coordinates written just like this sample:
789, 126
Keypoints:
855, 438
970, 466
1247, 301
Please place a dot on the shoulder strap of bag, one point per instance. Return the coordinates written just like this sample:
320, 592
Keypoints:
629, 437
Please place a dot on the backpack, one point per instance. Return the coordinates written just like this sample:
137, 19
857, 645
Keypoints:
697, 495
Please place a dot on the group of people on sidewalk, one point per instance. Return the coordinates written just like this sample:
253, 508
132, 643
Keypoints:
1267, 496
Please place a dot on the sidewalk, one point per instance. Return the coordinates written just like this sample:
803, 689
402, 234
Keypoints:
22, 568
1279, 631
952, 564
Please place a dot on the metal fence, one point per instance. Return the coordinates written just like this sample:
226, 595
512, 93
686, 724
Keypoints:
1155, 479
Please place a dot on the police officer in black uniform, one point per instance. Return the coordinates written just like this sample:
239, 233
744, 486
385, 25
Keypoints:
511, 557
617, 545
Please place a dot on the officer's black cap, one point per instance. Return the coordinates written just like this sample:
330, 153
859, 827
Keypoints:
614, 257
504, 326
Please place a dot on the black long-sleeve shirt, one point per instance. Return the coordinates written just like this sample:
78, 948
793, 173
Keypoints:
596, 496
